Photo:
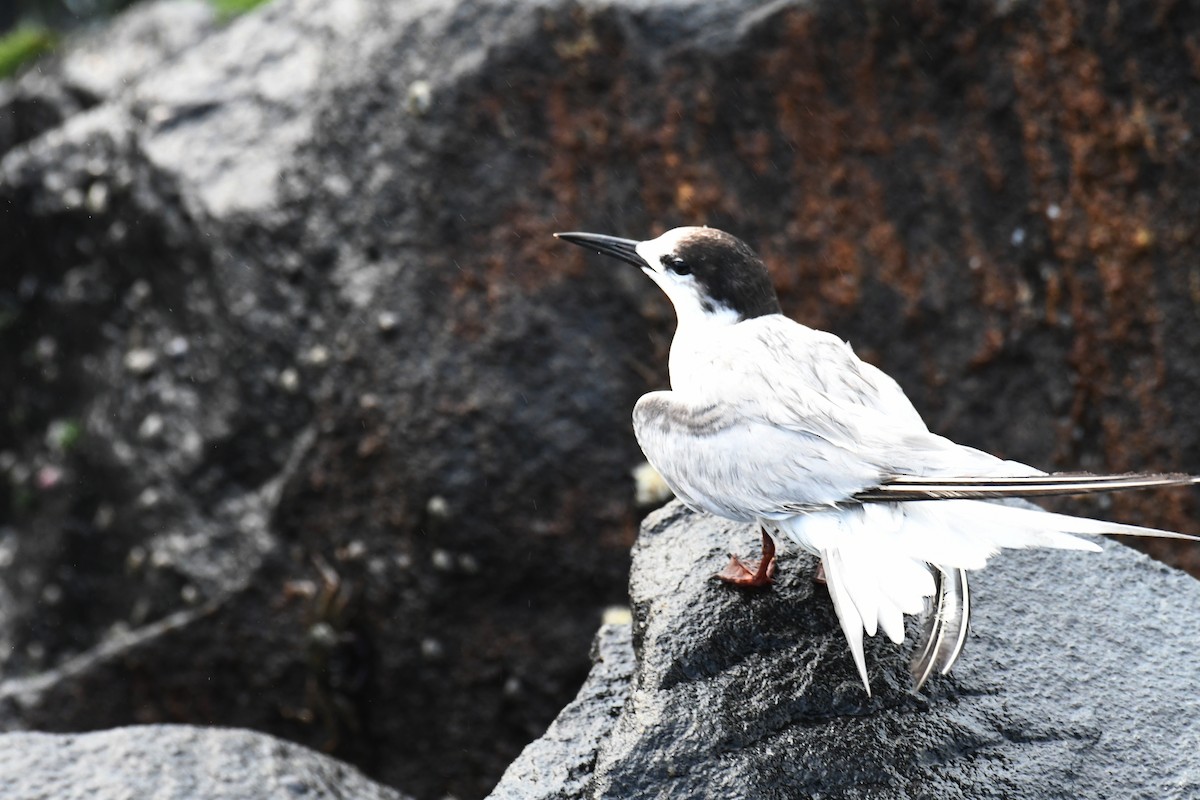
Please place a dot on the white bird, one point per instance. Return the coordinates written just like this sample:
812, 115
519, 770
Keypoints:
772, 422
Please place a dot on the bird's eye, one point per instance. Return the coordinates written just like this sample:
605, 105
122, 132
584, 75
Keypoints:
676, 265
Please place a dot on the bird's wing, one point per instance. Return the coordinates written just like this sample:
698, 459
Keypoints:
787, 419
824, 380
812, 382
779, 418
742, 466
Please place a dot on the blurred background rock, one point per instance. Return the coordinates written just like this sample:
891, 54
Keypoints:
58, 14
30, 29
311, 427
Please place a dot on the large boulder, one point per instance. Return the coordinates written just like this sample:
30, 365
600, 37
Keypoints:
174, 762
310, 425
1075, 682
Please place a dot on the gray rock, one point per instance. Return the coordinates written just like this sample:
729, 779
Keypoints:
559, 765
174, 762
98, 66
1077, 681
134, 46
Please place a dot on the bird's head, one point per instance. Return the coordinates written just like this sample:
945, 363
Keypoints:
705, 272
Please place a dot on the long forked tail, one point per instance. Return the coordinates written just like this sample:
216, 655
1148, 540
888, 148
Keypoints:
947, 621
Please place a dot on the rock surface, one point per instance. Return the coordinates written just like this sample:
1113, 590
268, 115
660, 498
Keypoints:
312, 428
99, 67
1077, 681
560, 764
174, 762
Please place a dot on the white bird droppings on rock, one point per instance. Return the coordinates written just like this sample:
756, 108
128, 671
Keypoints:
432, 649
178, 346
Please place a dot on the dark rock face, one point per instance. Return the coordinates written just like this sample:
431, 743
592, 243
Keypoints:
174, 762
280, 458
310, 425
1072, 685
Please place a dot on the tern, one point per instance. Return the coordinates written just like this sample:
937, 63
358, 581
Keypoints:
772, 422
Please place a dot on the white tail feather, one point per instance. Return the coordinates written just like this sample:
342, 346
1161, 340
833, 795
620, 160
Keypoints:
847, 612
880, 560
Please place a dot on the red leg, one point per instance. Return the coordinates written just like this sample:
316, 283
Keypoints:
819, 575
739, 574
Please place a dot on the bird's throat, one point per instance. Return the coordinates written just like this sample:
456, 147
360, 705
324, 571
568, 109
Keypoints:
697, 339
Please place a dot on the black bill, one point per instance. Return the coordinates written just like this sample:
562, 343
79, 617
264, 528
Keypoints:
622, 249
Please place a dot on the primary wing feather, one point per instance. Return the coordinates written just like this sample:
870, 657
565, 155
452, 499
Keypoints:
906, 488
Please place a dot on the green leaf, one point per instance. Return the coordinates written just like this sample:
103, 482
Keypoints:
228, 9
22, 46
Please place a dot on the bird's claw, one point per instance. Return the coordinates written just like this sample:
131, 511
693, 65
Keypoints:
739, 574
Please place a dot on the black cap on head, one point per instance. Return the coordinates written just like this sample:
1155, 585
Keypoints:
728, 271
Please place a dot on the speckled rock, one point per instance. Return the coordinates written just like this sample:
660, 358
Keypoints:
174, 762
99, 66
559, 765
1077, 681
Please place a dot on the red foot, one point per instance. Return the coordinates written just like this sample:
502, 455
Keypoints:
739, 574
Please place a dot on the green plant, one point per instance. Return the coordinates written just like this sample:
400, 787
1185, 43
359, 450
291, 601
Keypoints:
22, 46
228, 9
